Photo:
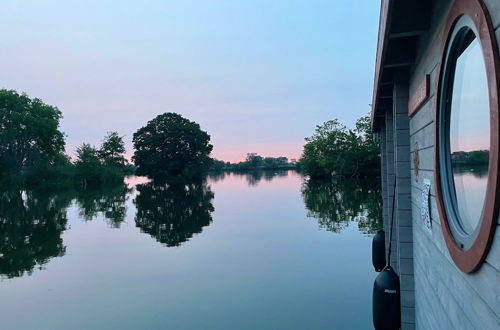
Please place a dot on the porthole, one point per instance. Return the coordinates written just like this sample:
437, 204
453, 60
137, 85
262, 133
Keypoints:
467, 135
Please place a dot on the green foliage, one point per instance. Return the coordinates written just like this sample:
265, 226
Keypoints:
32, 148
88, 165
336, 150
112, 150
29, 135
171, 146
254, 160
104, 165
59, 173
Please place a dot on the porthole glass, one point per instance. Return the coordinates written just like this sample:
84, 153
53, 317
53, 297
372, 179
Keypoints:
467, 122
466, 130
469, 131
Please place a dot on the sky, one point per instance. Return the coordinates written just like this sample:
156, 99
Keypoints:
470, 102
257, 75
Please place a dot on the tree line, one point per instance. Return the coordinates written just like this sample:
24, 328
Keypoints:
168, 148
32, 148
471, 158
254, 162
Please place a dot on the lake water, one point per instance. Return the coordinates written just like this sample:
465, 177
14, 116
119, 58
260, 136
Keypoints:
256, 251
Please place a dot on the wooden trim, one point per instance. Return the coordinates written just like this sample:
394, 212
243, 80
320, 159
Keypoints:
471, 260
419, 96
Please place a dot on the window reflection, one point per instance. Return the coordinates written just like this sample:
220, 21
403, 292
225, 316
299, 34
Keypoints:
469, 134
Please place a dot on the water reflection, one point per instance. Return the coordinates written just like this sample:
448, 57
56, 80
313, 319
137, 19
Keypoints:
274, 253
108, 201
172, 214
470, 184
31, 224
338, 202
252, 177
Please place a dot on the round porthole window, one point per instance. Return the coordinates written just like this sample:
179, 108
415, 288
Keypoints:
467, 135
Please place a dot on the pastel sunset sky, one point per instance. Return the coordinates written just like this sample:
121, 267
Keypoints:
257, 75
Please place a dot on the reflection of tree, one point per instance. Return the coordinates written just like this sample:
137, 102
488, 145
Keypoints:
107, 200
31, 224
270, 175
173, 213
216, 176
478, 171
253, 177
335, 203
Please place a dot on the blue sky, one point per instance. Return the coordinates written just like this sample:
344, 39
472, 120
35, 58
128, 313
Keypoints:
257, 75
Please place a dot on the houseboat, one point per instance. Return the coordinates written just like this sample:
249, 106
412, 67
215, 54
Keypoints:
435, 110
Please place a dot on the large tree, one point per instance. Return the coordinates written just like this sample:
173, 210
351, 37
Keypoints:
29, 133
336, 150
171, 146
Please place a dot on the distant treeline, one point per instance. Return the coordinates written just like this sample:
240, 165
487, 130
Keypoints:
254, 162
471, 158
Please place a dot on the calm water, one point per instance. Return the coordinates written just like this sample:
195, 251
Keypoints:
470, 191
256, 251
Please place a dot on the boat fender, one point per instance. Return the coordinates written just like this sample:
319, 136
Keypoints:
386, 300
378, 251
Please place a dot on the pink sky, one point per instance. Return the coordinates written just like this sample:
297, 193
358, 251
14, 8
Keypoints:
238, 153
258, 76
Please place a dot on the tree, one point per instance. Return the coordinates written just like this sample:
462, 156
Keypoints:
171, 146
254, 160
29, 133
336, 150
106, 165
323, 153
88, 165
112, 150
368, 152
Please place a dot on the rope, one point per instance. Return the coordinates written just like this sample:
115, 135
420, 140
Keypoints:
392, 220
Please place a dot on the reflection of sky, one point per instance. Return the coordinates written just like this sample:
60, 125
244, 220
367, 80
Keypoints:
470, 192
257, 75
470, 123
